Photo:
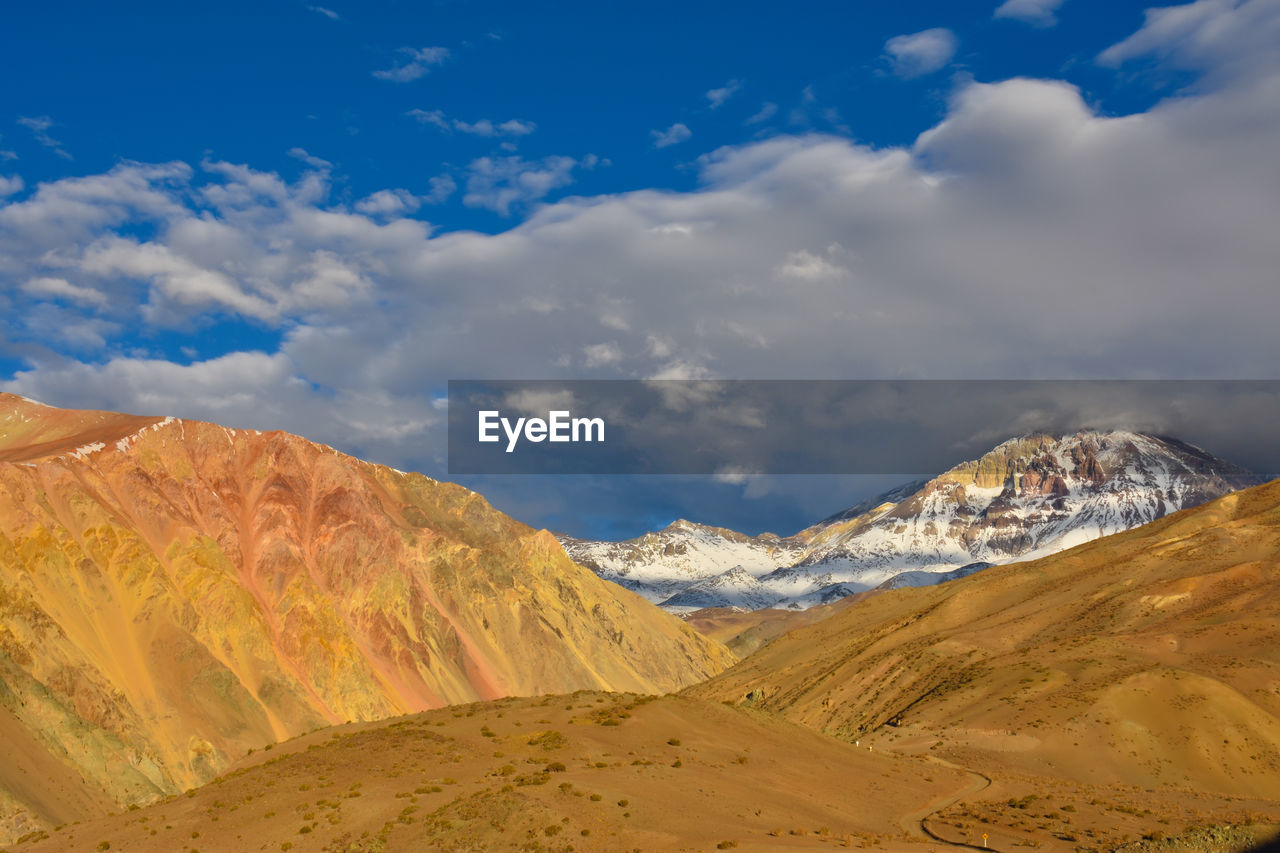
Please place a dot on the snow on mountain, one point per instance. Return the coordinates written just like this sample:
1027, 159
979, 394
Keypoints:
659, 565
902, 579
1029, 497
734, 588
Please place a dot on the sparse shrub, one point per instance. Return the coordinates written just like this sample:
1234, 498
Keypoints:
104, 845
553, 829
556, 767
304, 829
677, 763
675, 741
595, 798
624, 803
725, 845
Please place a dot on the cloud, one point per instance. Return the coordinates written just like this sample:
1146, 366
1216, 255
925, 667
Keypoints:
442, 187
47, 286
1224, 38
671, 136
601, 355
1025, 234
767, 111
328, 13
10, 186
921, 53
418, 64
717, 97
804, 266
1037, 13
389, 203
39, 127
311, 160
482, 127
498, 183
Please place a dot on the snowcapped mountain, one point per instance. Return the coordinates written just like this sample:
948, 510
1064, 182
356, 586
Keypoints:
662, 564
1028, 497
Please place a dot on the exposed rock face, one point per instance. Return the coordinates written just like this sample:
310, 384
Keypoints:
1027, 497
175, 593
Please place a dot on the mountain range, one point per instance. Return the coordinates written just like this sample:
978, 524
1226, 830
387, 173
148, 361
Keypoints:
1028, 497
175, 594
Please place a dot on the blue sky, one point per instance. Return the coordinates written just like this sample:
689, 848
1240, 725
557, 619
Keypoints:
310, 216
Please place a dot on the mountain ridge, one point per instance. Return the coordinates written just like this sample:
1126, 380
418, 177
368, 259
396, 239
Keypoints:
174, 593
1030, 495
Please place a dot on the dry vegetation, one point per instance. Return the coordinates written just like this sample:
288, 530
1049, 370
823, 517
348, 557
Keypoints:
586, 771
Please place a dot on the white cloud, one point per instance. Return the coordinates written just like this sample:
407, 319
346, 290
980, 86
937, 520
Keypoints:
49, 286
328, 13
310, 159
442, 186
1024, 235
39, 127
803, 265
1037, 13
1225, 38
767, 111
498, 183
482, 127
677, 133
717, 97
388, 203
921, 53
418, 64
601, 355
10, 186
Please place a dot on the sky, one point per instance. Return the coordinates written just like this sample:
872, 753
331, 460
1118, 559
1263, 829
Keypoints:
310, 217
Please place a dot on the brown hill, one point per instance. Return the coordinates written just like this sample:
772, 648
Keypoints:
175, 593
1149, 658
587, 772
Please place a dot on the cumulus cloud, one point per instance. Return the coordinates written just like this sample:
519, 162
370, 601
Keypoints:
10, 186
1037, 13
717, 97
1023, 235
677, 133
481, 127
39, 127
418, 63
921, 53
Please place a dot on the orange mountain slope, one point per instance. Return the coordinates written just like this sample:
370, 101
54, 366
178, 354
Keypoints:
1148, 658
175, 593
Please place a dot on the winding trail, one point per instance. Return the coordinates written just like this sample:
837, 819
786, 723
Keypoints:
914, 823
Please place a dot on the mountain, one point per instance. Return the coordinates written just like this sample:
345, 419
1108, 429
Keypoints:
1028, 497
174, 594
1150, 658
660, 565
